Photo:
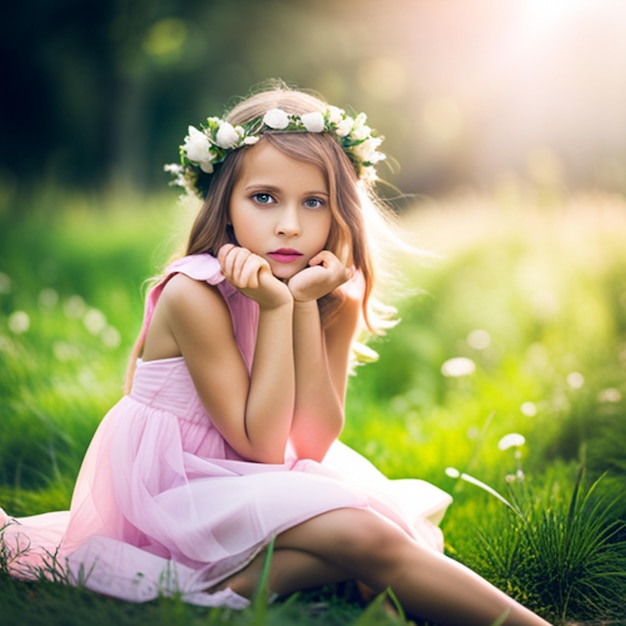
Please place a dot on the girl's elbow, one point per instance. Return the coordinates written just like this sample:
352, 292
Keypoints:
315, 445
269, 453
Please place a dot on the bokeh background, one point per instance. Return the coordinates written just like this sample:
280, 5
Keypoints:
468, 93
505, 126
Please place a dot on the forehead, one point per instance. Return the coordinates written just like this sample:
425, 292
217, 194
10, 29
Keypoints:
264, 163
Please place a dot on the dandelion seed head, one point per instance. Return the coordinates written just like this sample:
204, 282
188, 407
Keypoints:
529, 409
610, 395
457, 367
64, 351
48, 298
95, 321
512, 440
111, 337
74, 307
575, 380
18, 322
87, 378
479, 339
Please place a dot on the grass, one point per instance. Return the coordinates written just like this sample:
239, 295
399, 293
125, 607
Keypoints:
531, 296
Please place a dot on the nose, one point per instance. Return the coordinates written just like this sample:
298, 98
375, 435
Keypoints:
288, 223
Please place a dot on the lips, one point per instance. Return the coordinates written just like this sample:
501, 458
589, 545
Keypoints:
285, 255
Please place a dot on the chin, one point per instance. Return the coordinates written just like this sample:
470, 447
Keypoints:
285, 272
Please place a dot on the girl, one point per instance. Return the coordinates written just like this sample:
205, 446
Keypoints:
227, 437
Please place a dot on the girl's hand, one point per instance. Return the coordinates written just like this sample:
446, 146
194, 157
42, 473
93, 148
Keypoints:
324, 274
252, 275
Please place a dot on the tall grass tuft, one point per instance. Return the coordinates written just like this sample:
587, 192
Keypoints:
564, 556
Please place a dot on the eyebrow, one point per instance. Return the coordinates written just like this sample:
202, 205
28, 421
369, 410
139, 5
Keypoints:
274, 189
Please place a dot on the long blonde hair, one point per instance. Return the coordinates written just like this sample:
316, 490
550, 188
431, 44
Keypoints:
359, 220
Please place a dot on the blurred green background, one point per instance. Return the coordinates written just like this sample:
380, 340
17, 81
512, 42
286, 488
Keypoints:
467, 93
505, 124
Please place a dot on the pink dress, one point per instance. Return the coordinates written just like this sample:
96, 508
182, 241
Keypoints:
164, 505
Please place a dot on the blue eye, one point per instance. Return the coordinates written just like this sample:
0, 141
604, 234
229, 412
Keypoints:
313, 203
262, 198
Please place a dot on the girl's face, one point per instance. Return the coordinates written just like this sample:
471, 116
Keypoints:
279, 209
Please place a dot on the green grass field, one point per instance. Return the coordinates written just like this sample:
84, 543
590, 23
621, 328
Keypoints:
518, 327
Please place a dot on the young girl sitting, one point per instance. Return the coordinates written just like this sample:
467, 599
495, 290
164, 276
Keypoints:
227, 437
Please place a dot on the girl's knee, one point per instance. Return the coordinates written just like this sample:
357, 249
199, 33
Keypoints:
364, 535
348, 536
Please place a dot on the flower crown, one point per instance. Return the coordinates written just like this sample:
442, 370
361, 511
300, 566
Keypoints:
205, 148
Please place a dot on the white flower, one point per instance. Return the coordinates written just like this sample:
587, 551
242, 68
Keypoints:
250, 140
366, 151
313, 122
359, 129
610, 395
361, 132
479, 339
227, 136
575, 380
512, 440
173, 168
457, 367
19, 322
276, 118
95, 321
344, 127
335, 114
197, 146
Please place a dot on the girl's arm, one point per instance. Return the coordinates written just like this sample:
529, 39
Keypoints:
253, 413
321, 357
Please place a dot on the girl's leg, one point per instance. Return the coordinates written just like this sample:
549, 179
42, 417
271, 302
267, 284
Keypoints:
428, 584
290, 571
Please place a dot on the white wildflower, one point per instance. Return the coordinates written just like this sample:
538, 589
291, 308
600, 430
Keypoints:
361, 132
48, 298
206, 166
111, 337
74, 307
457, 367
313, 122
575, 380
173, 168
95, 321
64, 351
197, 146
610, 395
366, 151
335, 114
19, 322
227, 136
276, 119
512, 440
529, 409
479, 339
344, 127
